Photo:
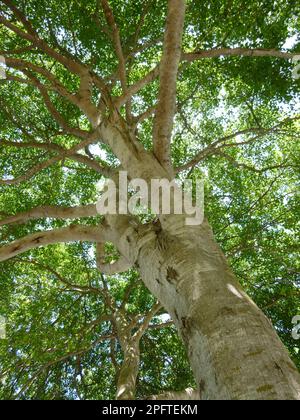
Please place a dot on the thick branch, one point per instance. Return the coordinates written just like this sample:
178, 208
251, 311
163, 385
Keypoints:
229, 52
217, 146
40, 239
53, 212
166, 107
116, 41
120, 266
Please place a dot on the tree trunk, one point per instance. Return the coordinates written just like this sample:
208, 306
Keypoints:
233, 349
188, 394
126, 386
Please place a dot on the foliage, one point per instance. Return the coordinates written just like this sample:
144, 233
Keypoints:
252, 188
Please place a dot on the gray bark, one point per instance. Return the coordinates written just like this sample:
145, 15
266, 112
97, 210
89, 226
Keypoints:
233, 349
130, 343
186, 395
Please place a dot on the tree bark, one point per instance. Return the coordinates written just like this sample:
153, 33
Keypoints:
130, 343
126, 385
233, 349
188, 394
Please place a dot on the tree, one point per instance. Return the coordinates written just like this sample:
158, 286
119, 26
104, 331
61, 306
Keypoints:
158, 89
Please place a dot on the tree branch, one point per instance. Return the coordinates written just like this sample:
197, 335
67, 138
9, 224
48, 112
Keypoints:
198, 55
166, 107
69, 234
53, 212
116, 42
119, 266
229, 52
32, 36
67, 60
52, 147
75, 287
62, 359
43, 165
146, 322
136, 87
222, 143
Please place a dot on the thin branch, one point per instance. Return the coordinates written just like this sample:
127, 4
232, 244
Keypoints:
75, 287
32, 36
70, 62
56, 85
211, 149
61, 359
52, 147
82, 99
161, 326
46, 164
18, 51
145, 115
253, 168
146, 322
136, 87
197, 55
222, 143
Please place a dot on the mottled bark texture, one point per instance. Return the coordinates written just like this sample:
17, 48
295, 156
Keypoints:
130, 334
233, 349
186, 395
166, 107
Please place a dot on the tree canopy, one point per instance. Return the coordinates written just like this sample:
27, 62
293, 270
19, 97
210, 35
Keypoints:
236, 126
